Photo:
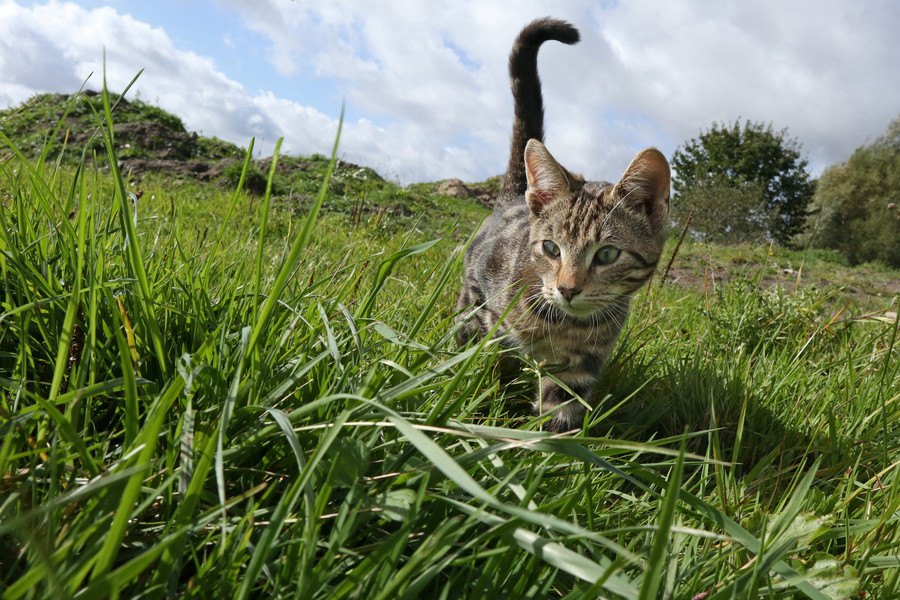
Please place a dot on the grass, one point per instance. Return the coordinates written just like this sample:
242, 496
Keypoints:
871, 286
194, 405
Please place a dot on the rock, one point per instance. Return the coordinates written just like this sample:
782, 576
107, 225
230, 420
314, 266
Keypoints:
484, 193
454, 188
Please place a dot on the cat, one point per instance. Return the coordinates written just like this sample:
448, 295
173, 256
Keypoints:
564, 255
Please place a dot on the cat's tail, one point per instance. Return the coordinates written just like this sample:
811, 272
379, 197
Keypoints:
526, 89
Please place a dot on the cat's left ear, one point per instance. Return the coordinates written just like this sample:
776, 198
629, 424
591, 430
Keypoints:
645, 184
546, 177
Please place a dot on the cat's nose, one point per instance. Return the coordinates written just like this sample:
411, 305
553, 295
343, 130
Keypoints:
568, 292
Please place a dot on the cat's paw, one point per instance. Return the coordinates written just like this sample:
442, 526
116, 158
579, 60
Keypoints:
568, 412
567, 418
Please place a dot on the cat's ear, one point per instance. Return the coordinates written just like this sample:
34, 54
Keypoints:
645, 184
546, 178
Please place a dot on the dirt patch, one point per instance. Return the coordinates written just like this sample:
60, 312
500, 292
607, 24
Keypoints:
197, 169
706, 274
156, 139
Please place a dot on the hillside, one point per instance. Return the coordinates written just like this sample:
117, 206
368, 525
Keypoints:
155, 147
152, 141
149, 138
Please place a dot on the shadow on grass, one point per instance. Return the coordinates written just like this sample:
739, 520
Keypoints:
731, 422
645, 401
692, 401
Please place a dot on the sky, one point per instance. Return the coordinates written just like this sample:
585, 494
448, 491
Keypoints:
425, 85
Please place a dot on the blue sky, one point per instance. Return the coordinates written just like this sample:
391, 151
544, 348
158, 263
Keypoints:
238, 52
425, 85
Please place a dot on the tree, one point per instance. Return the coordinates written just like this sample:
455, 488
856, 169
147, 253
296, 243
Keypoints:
856, 208
725, 213
743, 157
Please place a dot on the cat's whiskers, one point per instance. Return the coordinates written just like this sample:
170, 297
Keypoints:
608, 313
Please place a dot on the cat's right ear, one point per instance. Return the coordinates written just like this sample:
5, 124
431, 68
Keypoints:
645, 185
546, 178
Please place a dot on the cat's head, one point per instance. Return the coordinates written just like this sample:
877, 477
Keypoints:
594, 243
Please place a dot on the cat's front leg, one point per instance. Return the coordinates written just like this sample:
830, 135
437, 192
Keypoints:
568, 411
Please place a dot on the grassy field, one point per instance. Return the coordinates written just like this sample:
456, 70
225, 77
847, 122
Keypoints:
212, 393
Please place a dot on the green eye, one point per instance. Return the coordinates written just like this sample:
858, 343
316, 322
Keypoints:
551, 248
606, 255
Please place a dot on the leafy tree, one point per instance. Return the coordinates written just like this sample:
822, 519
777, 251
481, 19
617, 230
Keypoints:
752, 154
725, 213
857, 204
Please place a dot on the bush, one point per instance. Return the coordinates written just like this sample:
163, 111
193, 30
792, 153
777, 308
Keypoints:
725, 213
255, 181
753, 154
857, 203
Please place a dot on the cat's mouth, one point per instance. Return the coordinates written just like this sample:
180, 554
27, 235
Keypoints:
577, 307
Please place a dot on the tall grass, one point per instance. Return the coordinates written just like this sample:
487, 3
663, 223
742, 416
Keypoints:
281, 411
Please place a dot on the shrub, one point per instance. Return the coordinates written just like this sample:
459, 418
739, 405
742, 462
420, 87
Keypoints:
725, 213
749, 154
255, 182
857, 203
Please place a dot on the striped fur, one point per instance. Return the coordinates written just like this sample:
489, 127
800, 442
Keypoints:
572, 251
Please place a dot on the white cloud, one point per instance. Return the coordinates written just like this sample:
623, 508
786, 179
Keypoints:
827, 70
430, 79
645, 73
70, 43
53, 47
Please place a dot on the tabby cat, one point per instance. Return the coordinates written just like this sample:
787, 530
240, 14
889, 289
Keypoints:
572, 251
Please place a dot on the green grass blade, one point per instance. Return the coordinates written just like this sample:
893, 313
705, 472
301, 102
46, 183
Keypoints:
135, 260
656, 561
227, 410
263, 222
290, 262
112, 543
226, 221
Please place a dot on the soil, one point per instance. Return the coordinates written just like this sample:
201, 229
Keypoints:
703, 274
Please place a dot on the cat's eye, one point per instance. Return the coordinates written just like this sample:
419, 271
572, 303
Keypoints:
551, 248
606, 255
